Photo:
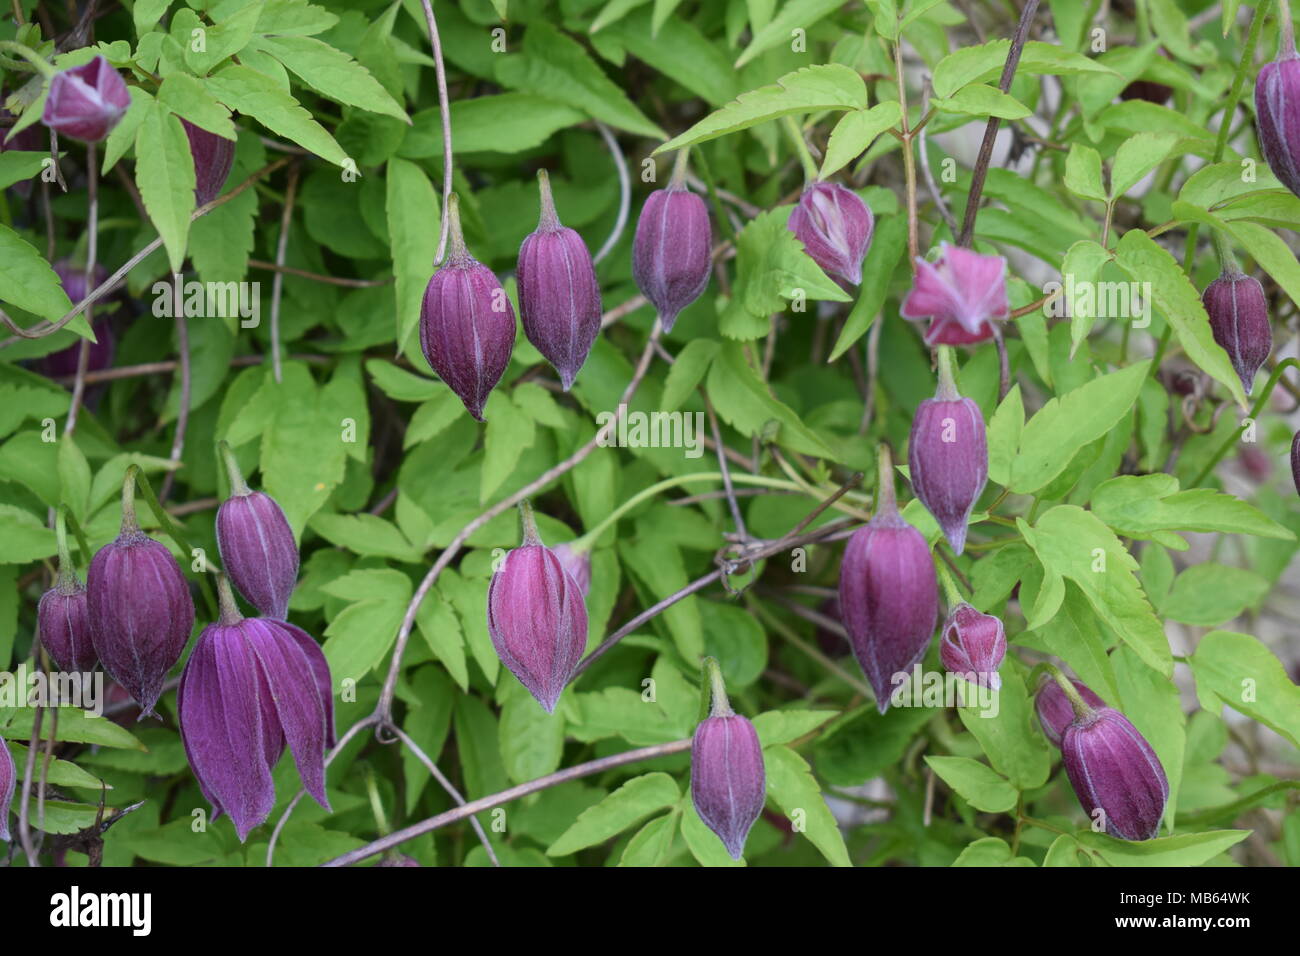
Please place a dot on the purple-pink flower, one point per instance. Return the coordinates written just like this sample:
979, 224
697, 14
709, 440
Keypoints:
972, 645
1115, 774
835, 226
961, 292
86, 102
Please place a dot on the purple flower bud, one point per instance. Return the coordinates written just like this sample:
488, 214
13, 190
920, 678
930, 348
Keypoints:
64, 362
86, 102
948, 457
250, 687
467, 325
972, 646
8, 777
577, 564
213, 156
728, 782
961, 292
1148, 90
1114, 770
1238, 314
834, 225
1277, 118
889, 596
559, 297
258, 550
1054, 710
672, 254
537, 618
1295, 461
63, 622
141, 612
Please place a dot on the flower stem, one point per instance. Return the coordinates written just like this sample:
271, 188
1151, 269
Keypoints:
1273, 379
229, 609
31, 56
801, 146
886, 501
719, 705
947, 391
678, 180
549, 219
237, 484
1081, 708
529, 522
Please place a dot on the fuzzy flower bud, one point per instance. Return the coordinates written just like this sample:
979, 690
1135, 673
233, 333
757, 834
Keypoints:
1115, 773
889, 595
467, 325
728, 779
1238, 314
835, 226
86, 102
250, 687
1054, 709
972, 645
577, 564
961, 292
256, 545
559, 297
63, 622
213, 156
141, 612
1277, 117
948, 456
671, 254
537, 618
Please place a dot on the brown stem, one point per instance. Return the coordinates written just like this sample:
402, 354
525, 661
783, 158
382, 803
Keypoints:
444, 110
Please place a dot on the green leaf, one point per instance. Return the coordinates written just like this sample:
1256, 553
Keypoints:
332, 73
1081, 276
405, 386
74, 726
657, 563
802, 14
634, 801
59, 773
883, 255
990, 851
1208, 595
981, 100
652, 844
855, 131
1150, 700
1141, 506
365, 534
703, 842
1180, 303
1186, 849
1005, 428
1007, 729
1066, 424
294, 17
793, 788
359, 637
685, 375
1136, 157
1083, 172
74, 478
742, 400
828, 86
230, 35
980, 786
26, 279
1074, 544
164, 174
185, 96
532, 741
509, 433
248, 91
17, 165
557, 65
414, 222
1245, 675
784, 726
501, 123
23, 537
432, 417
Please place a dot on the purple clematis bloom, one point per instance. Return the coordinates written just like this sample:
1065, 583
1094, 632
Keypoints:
835, 226
962, 293
972, 645
86, 102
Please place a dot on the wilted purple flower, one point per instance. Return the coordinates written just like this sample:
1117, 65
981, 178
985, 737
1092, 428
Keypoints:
256, 545
250, 687
86, 102
671, 254
834, 225
948, 456
972, 645
8, 777
559, 297
537, 618
728, 780
213, 156
467, 325
961, 292
100, 355
63, 622
1114, 770
577, 564
889, 596
1277, 116
1054, 709
1238, 314
1295, 461
141, 612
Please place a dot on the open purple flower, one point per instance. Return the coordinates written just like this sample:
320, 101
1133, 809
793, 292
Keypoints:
962, 293
251, 687
86, 102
